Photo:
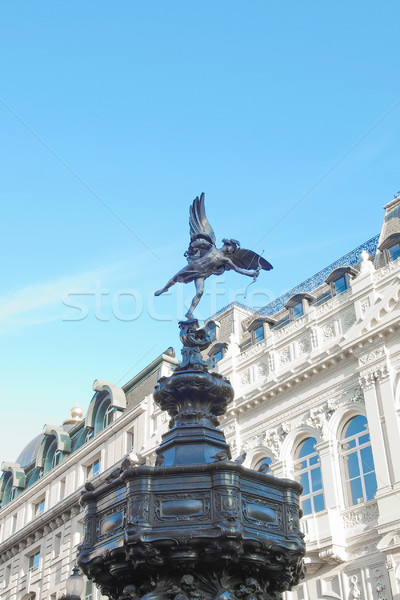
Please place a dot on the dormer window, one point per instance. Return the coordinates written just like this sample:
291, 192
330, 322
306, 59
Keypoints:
216, 354
340, 285
217, 357
390, 247
297, 310
212, 330
339, 279
258, 334
394, 251
298, 304
257, 328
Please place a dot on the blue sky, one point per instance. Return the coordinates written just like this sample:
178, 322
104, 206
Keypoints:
114, 116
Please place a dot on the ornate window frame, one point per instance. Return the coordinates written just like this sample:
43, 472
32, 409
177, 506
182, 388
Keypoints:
355, 450
308, 472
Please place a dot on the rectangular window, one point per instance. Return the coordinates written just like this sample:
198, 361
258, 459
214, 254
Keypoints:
34, 560
38, 509
340, 285
57, 545
297, 310
394, 251
62, 489
93, 469
258, 334
217, 357
78, 535
13, 524
130, 441
7, 575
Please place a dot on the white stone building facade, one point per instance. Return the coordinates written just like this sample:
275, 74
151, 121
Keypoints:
317, 397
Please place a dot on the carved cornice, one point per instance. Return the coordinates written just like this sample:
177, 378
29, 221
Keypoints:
348, 392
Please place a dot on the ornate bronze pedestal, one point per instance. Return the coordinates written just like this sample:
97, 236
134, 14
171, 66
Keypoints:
196, 526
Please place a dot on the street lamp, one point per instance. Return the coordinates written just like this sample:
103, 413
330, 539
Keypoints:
75, 584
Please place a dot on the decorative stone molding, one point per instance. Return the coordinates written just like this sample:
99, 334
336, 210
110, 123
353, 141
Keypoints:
372, 356
392, 266
378, 373
312, 564
284, 356
364, 305
230, 429
245, 377
348, 321
76, 510
271, 361
273, 438
380, 585
303, 346
389, 563
38, 535
314, 336
329, 305
364, 550
261, 369
355, 590
254, 442
333, 556
253, 351
363, 515
295, 326
328, 331
367, 380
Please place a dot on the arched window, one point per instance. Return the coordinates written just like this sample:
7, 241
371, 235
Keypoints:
52, 456
358, 461
89, 434
7, 489
103, 414
308, 473
56, 458
108, 416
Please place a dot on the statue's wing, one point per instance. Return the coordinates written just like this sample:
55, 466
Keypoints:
199, 224
247, 259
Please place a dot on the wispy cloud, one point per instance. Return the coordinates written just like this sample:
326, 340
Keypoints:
46, 295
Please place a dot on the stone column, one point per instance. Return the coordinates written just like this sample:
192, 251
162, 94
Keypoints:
390, 422
374, 417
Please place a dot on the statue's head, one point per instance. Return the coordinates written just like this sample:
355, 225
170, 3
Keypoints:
230, 246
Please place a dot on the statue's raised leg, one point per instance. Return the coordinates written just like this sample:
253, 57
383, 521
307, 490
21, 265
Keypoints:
199, 283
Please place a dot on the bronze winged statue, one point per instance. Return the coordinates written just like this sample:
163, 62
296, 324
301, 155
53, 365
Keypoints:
205, 259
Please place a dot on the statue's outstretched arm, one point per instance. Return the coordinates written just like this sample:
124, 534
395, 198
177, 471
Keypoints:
231, 265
